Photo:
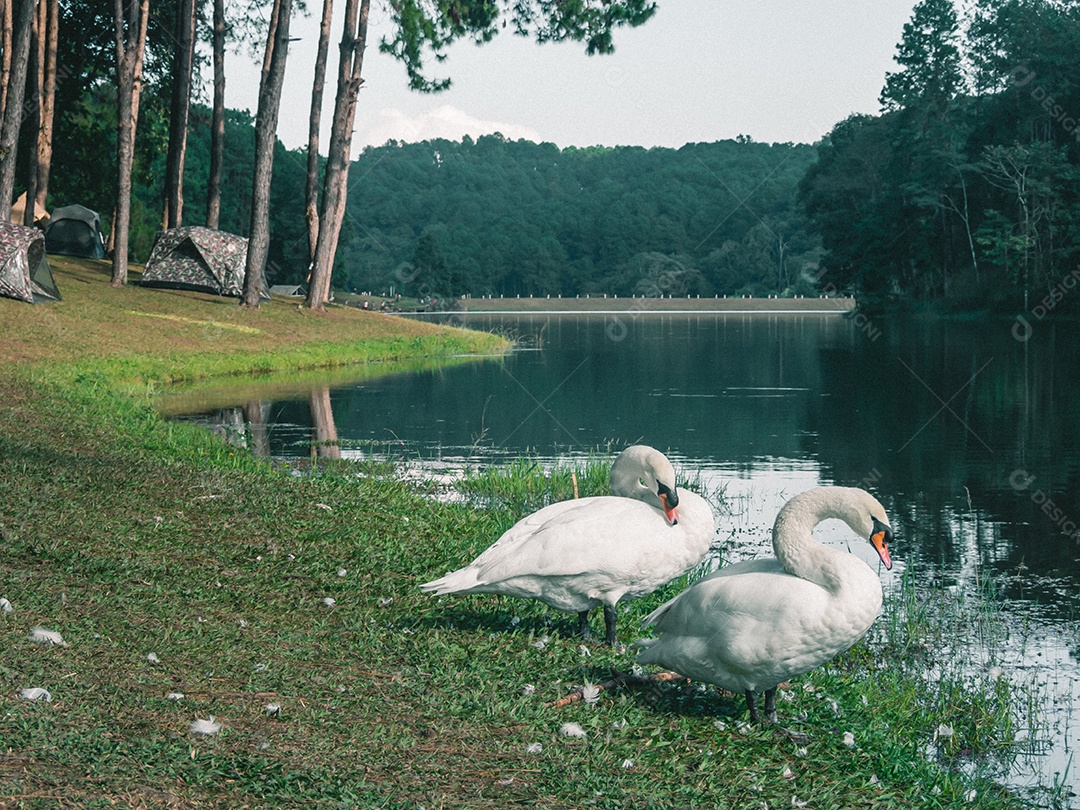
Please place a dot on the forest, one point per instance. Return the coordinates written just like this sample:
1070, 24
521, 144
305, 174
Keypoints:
963, 188
498, 217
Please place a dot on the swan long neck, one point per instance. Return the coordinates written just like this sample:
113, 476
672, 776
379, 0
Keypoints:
794, 544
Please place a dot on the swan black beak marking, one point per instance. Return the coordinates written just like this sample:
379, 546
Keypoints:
880, 539
669, 499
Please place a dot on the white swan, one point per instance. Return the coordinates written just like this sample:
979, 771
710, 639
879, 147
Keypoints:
752, 625
580, 554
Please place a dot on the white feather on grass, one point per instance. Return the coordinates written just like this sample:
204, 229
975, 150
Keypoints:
152, 658
5, 606
943, 732
534, 748
329, 601
40, 635
272, 709
174, 696
35, 693
590, 693
573, 730
205, 727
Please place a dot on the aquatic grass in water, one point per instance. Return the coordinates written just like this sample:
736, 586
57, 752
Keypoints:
524, 485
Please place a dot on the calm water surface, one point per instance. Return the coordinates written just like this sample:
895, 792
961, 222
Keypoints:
968, 435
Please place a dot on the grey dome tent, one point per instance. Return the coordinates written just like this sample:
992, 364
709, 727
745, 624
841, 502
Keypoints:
75, 230
24, 271
197, 258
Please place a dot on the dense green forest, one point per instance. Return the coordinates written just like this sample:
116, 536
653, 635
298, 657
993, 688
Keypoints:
517, 218
964, 188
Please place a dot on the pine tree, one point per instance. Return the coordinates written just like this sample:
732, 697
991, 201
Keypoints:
930, 60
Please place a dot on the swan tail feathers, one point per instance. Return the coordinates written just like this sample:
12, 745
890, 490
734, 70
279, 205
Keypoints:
460, 581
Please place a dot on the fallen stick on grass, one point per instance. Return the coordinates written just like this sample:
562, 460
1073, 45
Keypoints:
619, 679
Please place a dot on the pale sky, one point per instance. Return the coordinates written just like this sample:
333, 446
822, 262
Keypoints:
776, 70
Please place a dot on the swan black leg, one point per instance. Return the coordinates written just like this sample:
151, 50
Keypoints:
770, 705
751, 704
583, 625
610, 638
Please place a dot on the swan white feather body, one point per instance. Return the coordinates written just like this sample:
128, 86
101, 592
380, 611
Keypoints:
752, 625
598, 551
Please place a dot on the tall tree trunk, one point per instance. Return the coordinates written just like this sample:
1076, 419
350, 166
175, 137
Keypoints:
136, 95
130, 32
335, 184
217, 122
178, 116
16, 88
5, 58
311, 194
32, 111
266, 119
49, 23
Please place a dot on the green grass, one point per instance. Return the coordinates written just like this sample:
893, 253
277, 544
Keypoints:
130, 535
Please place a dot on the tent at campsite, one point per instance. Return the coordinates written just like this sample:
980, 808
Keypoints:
75, 230
196, 258
24, 271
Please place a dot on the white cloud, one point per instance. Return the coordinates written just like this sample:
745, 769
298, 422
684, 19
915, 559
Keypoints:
445, 121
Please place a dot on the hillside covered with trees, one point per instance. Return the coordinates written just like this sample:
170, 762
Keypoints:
967, 186
518, 218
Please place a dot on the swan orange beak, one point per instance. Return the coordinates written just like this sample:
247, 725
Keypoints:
880, 541
669, 508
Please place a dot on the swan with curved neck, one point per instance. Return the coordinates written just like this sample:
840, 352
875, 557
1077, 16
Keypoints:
599, 551
755, 624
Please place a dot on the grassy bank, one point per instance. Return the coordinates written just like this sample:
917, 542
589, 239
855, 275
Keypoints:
156, 337
253, 588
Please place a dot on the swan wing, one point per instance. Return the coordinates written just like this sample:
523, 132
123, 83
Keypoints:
605, 533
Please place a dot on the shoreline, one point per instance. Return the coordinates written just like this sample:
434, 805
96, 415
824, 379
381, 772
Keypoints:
630, 311
646, 306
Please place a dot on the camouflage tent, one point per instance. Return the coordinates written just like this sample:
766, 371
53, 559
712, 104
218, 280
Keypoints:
24, 271
75, 230
195, 258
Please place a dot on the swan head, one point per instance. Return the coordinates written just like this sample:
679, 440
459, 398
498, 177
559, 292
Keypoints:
644, 473
866, 517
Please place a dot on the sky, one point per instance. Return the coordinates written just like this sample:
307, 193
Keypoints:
699, 70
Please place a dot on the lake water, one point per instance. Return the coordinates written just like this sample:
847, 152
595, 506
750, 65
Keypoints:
967, 431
